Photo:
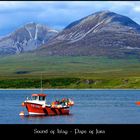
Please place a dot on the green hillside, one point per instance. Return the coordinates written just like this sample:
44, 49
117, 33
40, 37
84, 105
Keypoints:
24, 71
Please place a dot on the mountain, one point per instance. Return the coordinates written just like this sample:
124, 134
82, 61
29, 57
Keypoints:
102, 33
25, 39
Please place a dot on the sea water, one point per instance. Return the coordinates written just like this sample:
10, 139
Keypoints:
91, 107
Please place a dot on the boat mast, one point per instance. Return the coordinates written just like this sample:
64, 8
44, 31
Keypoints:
41, 83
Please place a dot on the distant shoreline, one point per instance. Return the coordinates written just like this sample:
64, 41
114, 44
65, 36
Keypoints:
64, 89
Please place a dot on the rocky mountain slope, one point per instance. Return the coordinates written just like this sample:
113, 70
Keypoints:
25, 39
102, 33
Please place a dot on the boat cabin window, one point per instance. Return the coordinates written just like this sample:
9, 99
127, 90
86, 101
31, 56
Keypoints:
41, 98
34, 97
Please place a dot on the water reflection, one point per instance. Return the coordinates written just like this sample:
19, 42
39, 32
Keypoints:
32, 116
56, 119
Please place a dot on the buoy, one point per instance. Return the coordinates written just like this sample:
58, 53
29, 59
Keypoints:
138, 103
21, 113
23, 104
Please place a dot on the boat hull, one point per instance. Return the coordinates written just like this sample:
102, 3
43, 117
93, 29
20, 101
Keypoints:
37, 109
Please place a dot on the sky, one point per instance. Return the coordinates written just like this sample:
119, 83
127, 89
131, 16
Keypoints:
58, 14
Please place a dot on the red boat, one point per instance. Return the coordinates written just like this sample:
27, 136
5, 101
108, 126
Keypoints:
138, 103
37, 106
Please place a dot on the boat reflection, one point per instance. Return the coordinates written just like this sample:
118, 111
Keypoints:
33, 116
48, 119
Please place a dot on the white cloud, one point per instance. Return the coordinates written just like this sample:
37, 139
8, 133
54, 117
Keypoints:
11, 4
137, 8
60, 13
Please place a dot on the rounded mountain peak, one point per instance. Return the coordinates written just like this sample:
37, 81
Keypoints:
103, 12
105, 17
95, 17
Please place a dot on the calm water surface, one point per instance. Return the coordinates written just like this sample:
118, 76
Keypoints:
91, 107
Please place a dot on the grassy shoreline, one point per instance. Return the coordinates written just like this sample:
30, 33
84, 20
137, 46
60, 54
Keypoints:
72, 83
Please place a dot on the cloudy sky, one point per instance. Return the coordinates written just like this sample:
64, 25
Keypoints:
58, 14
